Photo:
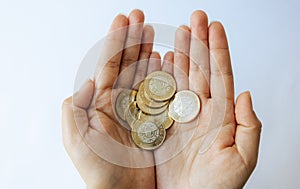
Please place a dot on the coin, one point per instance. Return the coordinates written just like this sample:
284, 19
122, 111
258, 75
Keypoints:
185, 106
132, 114
147, 134
159, 86
148, 110
141, 97
163, 119
123, 100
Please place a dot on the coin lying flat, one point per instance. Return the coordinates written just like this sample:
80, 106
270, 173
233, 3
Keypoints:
141, 97
123, 100
185, 106
152, 109
147, 134
159, 86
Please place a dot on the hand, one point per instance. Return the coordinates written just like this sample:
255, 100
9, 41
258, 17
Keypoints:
232, 157
93, 102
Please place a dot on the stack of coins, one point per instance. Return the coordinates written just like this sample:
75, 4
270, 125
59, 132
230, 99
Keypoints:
152, 109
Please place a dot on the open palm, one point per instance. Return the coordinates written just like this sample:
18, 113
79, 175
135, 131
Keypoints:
215, 155
202, 54
89, 122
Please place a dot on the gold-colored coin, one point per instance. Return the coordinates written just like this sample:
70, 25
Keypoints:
132, 114
147, 134
152, 109
164, 119
161, 119
148, 110
185, 107
123, 100
147, 97
141, 97
160, 86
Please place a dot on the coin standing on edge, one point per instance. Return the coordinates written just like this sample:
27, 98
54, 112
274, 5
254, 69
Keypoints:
123, 100
132, 114
185, 106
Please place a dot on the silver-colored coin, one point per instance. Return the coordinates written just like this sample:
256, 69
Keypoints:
185, 106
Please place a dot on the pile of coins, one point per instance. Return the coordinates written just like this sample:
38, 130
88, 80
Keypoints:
152, 109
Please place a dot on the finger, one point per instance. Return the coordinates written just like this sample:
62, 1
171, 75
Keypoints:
110, 57
132, 48
154, 63
181, 57
145, 52
168, 61
82, 98
199, 73
74, 112
248, 130
221, 83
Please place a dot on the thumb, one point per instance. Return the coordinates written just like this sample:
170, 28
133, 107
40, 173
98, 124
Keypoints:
74, 114
248, 130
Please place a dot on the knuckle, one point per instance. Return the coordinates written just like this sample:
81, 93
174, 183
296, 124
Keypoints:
112, 63
259, 126
127, 60
257, 122
222, 72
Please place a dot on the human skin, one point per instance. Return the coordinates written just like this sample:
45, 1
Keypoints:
95, 171
231, 158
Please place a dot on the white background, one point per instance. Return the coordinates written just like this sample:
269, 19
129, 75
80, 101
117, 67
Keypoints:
43, 42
